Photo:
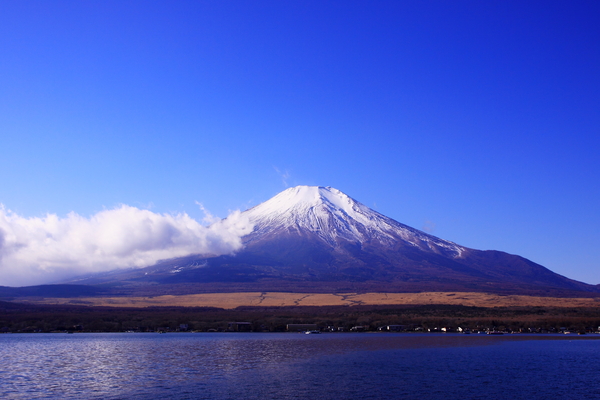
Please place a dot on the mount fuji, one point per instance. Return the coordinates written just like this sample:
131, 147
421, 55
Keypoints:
319, 239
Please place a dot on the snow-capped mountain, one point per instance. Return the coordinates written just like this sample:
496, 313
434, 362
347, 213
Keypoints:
310, 238
333, 217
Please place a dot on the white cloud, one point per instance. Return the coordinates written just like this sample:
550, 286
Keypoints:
40, 250
285, 175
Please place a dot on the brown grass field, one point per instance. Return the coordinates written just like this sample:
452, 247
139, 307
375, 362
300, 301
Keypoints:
277, 299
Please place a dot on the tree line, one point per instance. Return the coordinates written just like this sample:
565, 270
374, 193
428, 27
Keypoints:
16, 317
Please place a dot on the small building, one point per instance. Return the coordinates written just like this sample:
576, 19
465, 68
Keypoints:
359, 328
393, 328
239, 327
301, 327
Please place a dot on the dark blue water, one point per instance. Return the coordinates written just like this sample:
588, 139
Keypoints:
297, 366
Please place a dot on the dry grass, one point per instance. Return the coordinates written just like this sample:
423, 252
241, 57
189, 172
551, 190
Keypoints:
270, 299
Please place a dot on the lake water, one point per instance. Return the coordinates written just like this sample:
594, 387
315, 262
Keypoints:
297, 366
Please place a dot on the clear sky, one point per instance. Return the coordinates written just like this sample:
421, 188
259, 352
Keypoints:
476, 121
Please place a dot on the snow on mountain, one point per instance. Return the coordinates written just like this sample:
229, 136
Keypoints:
333, 216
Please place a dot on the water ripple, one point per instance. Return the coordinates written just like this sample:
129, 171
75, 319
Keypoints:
287, 366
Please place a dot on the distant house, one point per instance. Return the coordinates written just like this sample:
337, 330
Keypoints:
301, 327
392, 328
183, 327
359, 328
239, 327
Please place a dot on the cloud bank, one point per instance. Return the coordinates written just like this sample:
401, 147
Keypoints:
42, 250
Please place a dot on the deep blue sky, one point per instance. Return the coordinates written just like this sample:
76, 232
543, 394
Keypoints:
477, 121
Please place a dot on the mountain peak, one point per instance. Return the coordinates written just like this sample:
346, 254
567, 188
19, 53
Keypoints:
313, 208
300, 198
332, 216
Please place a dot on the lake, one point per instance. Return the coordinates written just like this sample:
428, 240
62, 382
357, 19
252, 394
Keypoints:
298, 366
